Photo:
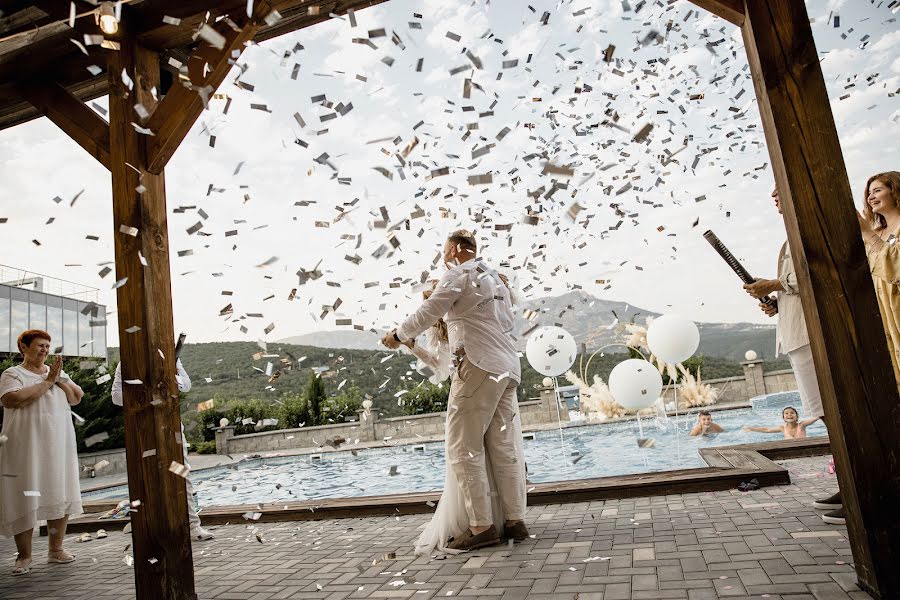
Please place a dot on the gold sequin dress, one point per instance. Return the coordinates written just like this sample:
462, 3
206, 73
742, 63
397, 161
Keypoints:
884, 261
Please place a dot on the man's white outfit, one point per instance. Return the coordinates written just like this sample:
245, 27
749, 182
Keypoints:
184, 386
482, 408
791, 337
450, 518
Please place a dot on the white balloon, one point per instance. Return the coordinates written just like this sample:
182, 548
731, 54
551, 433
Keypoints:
635, 383
750, 355
551, 351
673, 338
547, 382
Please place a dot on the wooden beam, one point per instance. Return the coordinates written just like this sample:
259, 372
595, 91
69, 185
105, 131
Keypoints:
730, 10
71, 115
846, 333
207, 68
15, 110
163, 563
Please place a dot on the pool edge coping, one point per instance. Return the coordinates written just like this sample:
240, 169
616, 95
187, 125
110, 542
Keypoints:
728, 467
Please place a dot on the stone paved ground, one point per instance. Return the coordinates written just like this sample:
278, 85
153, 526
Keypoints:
764, 544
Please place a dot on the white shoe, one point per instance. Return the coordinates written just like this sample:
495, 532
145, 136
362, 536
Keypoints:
198, 533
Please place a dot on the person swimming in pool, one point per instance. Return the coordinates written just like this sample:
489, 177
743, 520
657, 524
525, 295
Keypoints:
705, 425
793, 428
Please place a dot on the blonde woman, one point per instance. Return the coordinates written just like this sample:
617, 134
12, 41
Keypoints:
880, 227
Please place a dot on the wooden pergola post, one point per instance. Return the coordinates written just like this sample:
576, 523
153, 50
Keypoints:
163, 563
859, 393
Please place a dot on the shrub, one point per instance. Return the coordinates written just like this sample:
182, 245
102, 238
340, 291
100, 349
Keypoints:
426, 398
206, 420
204, 447
293, 412
340, 407
256, 410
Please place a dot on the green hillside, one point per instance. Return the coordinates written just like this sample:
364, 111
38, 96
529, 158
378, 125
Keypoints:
232, 371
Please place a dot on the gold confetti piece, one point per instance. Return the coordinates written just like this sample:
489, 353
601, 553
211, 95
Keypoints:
132, 231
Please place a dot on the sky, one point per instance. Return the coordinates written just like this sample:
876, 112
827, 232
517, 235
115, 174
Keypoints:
551, 159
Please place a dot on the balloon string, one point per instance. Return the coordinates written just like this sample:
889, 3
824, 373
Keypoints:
641, 433
562, 444
677, 429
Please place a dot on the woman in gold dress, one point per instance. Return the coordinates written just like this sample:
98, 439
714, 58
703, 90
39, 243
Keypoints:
880, 226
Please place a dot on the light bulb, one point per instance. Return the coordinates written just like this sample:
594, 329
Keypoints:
107, 17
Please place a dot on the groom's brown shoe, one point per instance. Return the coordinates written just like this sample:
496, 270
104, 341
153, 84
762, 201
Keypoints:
467, 541
516, 530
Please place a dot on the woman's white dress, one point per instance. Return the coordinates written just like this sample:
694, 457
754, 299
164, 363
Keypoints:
450, 518
39, 462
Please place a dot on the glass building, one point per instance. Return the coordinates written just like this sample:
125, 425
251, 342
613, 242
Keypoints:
66, 310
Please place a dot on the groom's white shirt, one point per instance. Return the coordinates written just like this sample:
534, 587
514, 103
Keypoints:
479, 315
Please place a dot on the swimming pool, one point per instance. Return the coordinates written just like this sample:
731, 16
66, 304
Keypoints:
584, 452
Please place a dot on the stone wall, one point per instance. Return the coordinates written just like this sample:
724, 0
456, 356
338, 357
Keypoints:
369, 427
755, 382
283, 439
92, 460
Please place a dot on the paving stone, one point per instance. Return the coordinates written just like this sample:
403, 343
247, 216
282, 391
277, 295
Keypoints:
673, 547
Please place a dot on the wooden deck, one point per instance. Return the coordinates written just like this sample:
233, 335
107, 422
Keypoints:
729, 466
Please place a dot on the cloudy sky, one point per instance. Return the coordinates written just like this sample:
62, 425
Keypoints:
637, 149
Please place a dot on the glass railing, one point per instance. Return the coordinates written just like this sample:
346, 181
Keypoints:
29, 280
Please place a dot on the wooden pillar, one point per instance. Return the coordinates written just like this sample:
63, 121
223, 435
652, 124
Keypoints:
163, 564
856, 379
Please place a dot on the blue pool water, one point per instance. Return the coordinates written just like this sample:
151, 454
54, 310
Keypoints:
601, 450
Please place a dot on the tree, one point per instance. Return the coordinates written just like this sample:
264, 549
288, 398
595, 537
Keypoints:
315, 396
100, 415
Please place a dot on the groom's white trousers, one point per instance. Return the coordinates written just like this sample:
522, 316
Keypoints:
479, 422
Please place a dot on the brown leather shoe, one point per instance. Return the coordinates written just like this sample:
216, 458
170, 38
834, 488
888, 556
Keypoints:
516, 530
467, 541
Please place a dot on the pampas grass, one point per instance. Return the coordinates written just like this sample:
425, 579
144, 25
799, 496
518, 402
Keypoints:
596, 399
693, 392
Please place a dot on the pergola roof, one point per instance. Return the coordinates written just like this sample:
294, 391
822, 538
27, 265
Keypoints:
38, 44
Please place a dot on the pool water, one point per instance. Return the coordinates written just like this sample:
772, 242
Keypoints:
581, 453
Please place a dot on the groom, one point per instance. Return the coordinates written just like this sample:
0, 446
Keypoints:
482, 405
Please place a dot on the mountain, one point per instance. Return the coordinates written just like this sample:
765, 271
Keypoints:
591, 321
351, 339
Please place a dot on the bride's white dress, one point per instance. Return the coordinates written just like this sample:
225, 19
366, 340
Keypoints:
450, 518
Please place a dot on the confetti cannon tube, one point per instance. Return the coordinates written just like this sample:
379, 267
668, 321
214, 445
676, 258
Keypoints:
735, 265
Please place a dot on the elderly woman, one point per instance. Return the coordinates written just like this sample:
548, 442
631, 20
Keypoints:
38, 460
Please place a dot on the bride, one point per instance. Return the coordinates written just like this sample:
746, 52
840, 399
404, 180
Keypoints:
450, 519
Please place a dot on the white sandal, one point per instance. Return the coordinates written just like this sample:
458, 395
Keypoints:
60, 558
23, 570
